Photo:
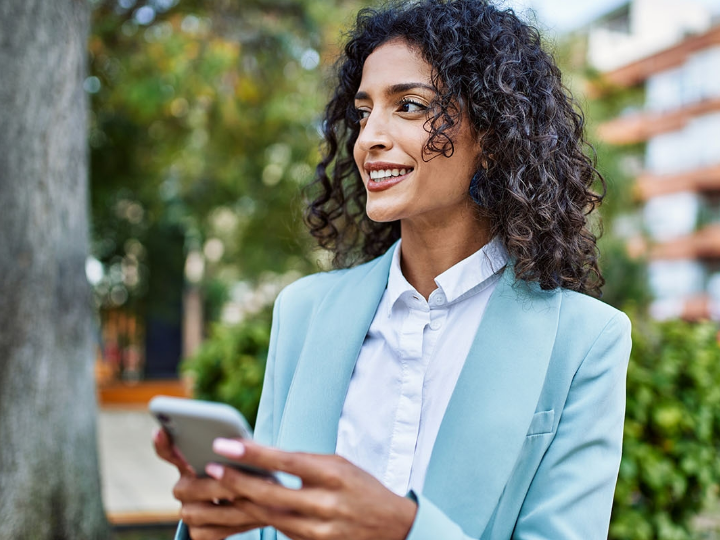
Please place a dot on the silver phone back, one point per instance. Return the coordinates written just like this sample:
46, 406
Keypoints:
193, 425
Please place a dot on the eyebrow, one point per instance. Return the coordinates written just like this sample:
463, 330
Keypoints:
398, 89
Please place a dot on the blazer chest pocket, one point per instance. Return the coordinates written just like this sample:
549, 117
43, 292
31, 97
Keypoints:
542, 422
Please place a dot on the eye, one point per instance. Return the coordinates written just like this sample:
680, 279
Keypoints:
361, 114
408, 105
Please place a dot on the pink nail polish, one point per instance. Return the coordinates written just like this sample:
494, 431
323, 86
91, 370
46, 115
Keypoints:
229, 448
215, 470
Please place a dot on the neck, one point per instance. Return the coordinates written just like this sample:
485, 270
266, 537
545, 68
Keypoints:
428, 250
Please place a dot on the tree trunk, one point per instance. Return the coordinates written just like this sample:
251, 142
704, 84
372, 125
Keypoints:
49, 480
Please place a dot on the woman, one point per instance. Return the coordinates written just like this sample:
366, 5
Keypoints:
461, 383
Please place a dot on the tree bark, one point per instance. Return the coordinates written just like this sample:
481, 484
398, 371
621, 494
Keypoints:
49, 479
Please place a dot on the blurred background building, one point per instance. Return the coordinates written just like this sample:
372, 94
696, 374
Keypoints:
672, 49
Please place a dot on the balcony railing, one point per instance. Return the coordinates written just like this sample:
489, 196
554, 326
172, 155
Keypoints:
640, 127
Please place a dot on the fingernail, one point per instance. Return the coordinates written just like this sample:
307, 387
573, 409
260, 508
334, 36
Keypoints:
156, 435
215, 470
229, 447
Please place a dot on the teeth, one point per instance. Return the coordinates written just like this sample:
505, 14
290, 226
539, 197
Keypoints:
380, 175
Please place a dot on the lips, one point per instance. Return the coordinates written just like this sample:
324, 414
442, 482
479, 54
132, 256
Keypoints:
384, 175
383, 180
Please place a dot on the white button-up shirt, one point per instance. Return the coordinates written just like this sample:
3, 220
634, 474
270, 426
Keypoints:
408, 366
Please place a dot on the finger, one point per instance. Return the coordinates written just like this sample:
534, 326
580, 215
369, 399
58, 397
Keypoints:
314, 469
295, 526
218, 515
309, 501
191, 489
163, 446
167, 451
300, 527
214, 533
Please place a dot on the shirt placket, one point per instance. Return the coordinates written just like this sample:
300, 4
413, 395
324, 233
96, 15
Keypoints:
407, 418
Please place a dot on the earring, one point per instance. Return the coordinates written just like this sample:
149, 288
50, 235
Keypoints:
478, 178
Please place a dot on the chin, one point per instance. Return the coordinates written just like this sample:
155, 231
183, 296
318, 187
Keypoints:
381, 218
382, 215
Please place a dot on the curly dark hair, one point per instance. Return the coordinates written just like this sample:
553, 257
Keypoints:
535, 183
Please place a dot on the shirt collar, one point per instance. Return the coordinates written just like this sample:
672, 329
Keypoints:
397, 284
468, 277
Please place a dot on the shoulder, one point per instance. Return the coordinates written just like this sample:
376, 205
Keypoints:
311, 286
589, 315
592, 337
579, 316
590, 351
308, 292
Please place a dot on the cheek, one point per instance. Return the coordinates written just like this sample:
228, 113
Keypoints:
449, 178
358, 155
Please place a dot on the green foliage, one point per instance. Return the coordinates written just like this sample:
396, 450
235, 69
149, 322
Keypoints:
671, 456
625, 277
205, 120
230, 365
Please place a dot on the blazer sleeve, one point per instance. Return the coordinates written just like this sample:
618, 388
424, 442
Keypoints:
570, 497
265, 417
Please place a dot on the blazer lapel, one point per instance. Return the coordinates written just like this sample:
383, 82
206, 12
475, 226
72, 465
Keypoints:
493, 403
319, 386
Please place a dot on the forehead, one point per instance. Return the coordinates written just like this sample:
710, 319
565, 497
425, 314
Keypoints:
392, 63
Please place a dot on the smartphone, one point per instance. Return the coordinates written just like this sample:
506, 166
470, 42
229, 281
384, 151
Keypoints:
193, 425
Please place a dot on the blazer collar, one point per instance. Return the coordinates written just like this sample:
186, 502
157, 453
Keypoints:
336, 334
490, 410
493, 403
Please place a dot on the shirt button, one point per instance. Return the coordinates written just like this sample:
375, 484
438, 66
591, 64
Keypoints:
440, 299
435, 325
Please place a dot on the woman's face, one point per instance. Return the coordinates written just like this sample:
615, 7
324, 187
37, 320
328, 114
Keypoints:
392, 102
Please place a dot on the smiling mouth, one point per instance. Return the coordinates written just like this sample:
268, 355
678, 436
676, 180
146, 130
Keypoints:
385, 174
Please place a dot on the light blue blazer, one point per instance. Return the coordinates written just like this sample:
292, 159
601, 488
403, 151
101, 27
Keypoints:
530, 444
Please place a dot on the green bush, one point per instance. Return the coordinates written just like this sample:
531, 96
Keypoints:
230, 365
671, 456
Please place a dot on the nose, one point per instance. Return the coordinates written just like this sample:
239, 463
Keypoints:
374, 134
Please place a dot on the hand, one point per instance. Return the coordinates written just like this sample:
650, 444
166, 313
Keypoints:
209, 510
337, 500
